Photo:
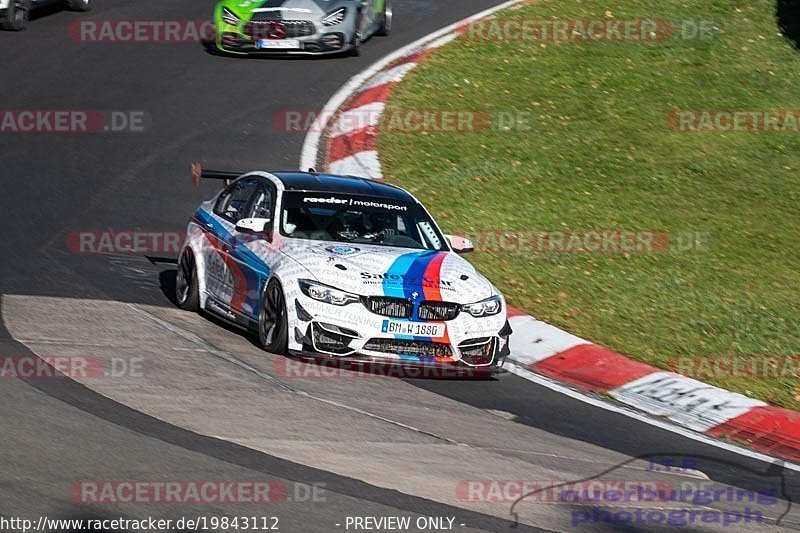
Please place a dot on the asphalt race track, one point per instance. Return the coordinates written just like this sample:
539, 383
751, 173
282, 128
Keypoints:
210, 405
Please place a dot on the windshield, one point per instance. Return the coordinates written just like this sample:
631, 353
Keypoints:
358, 219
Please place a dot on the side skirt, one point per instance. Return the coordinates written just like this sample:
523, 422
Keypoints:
222, 311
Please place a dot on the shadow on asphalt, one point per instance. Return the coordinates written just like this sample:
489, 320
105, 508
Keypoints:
167, 281
47, 10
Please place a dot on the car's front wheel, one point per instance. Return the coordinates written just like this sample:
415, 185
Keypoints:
79, 5
355, 45
16, 15
273, 322
385, 22
187, 293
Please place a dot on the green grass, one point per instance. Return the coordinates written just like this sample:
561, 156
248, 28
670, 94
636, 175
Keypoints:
600, 155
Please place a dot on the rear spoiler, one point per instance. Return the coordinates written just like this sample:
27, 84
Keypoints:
199, 173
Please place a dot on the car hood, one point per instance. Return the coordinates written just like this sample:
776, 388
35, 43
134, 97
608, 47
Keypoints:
386, 271
290, 9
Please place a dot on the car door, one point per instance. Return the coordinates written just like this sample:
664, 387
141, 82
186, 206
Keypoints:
225, 280
252, 253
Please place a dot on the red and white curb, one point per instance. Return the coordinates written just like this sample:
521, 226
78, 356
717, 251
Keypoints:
704, 408
344, 142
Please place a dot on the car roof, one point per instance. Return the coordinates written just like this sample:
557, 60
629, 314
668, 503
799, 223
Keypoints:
312, 182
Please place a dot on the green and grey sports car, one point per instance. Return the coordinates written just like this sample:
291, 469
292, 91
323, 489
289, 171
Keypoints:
299, 26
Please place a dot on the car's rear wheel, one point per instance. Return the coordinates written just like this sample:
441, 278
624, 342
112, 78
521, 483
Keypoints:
79, 5
16, 15
273, 322
385, 23
187, 292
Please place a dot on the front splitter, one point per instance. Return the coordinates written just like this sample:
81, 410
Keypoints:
397, 368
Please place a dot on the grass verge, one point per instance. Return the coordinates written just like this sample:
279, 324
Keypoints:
596, 152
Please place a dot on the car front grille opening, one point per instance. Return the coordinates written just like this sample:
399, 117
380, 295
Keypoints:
334, 41
438, 310
388, 306
332, 339
279, 29
230, 39
409, 347
478, 352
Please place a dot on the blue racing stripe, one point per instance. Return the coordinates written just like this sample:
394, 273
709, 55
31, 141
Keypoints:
411, 267
396, 288
413, 280
393, 287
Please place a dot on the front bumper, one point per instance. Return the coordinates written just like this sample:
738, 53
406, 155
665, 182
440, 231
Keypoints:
353, 334
243, 40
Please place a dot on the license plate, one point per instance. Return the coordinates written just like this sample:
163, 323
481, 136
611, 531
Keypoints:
415, 329
282, 44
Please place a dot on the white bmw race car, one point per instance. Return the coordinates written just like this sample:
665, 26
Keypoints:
339, 268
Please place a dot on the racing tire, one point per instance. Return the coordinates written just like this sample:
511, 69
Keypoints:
385, 26
355, 46
187, 292
273, 321
79, 5
16, 15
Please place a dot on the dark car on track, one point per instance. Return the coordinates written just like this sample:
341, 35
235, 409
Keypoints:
14, 14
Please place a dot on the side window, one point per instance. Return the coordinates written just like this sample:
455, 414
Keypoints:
233, 204
264, 203
429, 238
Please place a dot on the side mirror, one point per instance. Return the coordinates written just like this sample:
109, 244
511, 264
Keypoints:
253, 225
460, 245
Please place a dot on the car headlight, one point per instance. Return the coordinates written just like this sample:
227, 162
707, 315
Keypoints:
324, 293
229, 17
335, 17
488, 307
